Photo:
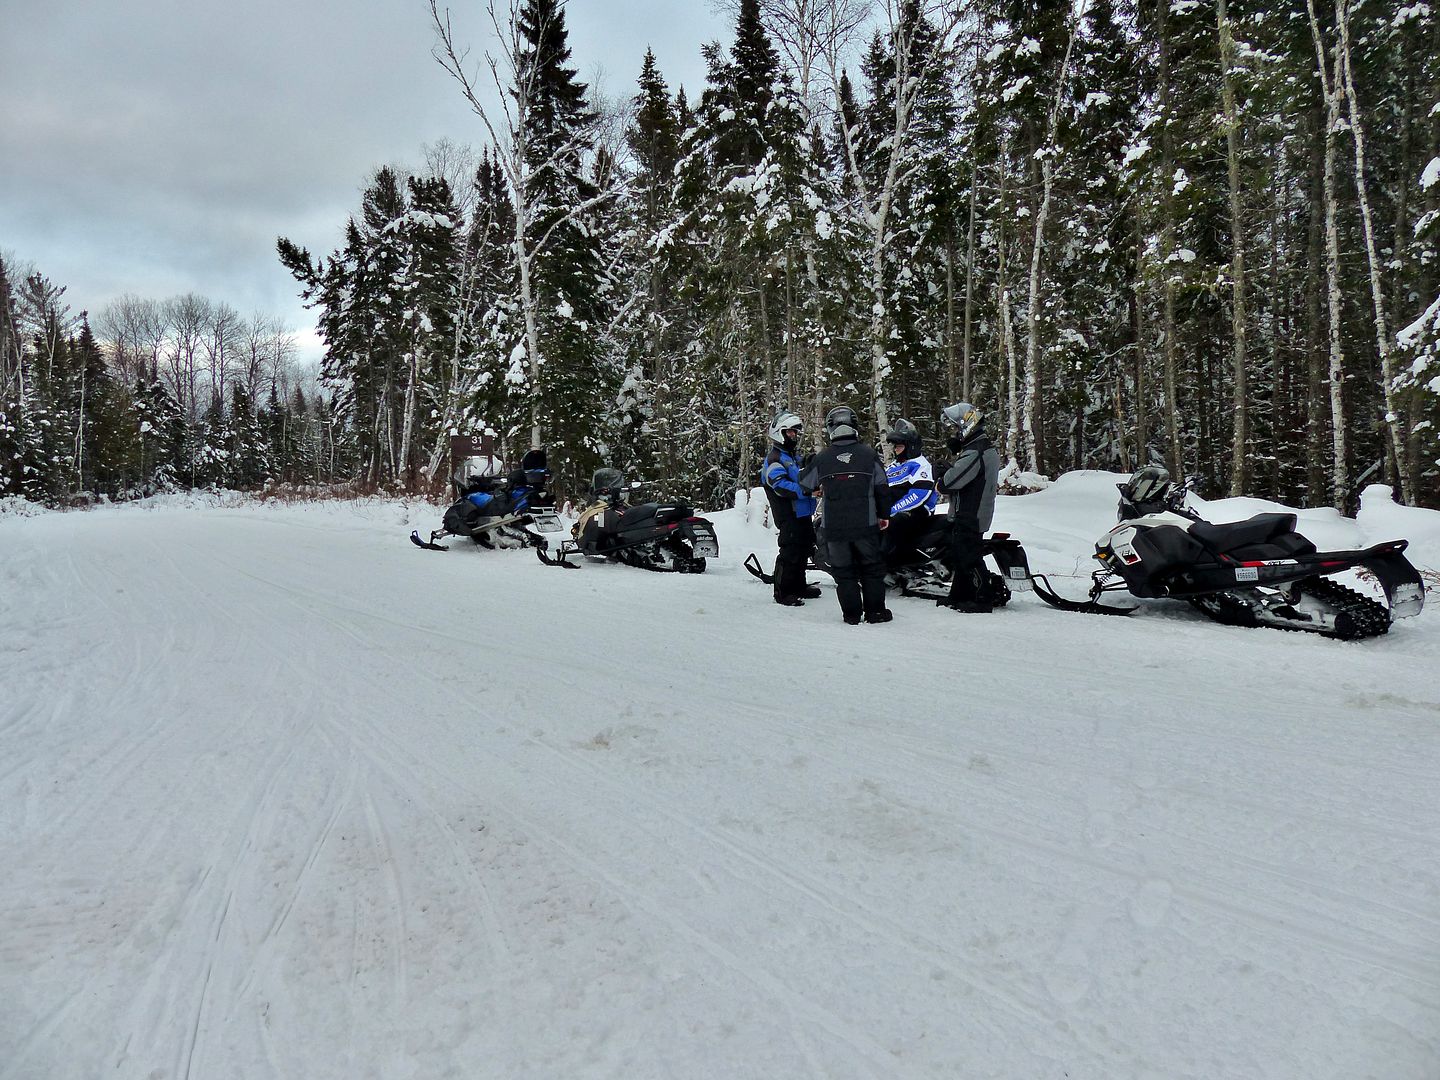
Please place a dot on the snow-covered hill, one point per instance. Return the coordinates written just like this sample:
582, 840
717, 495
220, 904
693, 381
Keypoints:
282, 796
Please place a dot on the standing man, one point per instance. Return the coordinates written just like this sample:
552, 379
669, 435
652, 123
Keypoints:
791, 509
970, 486
857, 507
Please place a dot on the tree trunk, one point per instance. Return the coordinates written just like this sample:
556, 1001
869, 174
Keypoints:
1394, 422
1142, 391
969, 287
1007, 326
1174, 460
1029, 442
1340, 482
950, 371
1240, 403
1402, 278
1314, 347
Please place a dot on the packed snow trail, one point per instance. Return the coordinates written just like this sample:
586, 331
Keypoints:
283, 796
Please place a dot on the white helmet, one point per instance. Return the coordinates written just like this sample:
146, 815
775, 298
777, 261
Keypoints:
963, 417
783, 422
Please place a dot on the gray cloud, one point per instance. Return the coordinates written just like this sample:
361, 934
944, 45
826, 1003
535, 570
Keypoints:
160, 146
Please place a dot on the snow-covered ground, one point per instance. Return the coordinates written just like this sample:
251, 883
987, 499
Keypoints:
283, 796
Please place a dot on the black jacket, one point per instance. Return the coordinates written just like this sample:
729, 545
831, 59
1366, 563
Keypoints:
852, 478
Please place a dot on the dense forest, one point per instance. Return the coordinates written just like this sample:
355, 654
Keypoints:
150, 396
1201, 233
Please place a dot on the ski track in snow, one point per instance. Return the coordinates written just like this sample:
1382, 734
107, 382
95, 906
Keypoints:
286, 797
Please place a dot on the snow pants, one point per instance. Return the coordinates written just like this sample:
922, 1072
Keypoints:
797, 542
966, 562
859, 570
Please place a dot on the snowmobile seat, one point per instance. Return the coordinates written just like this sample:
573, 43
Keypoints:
1260, 529
937, 530
666, 512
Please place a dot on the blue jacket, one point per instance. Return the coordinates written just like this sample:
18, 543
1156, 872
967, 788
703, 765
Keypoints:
912, 485
781, 475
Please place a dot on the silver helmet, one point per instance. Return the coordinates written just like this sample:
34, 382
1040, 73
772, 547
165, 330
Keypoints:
963, 417
1148, 485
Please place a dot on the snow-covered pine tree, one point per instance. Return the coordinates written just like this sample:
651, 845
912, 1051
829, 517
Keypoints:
645, 335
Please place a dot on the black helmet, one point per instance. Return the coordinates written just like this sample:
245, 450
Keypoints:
606, 483
1151, 484
842, 423
905, 435
536, 468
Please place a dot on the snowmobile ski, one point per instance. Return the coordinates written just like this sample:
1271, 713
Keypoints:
428, 545
752, 563
1089, 606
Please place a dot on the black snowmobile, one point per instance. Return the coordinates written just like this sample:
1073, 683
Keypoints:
917, 568
498, 513
1257, 572
664, 537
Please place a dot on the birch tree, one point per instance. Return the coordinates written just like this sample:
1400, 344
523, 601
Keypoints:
1393, 420
533, 151
875, 192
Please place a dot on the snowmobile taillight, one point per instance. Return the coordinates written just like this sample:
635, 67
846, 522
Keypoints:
999, 536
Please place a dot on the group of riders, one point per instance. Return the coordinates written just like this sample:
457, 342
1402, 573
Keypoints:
874, 513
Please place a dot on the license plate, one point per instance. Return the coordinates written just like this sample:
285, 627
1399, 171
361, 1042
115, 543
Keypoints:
1407, 601
703, 542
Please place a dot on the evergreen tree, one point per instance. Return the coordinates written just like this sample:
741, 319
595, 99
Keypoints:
569, 299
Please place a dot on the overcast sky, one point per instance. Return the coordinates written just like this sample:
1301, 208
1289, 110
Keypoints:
159, 147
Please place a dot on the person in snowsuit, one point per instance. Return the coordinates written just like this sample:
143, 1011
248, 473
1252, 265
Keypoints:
851, 477
607, 493
912, 488
970, 486
790, 509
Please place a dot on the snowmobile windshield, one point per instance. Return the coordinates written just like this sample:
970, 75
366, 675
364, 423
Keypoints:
606, 482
